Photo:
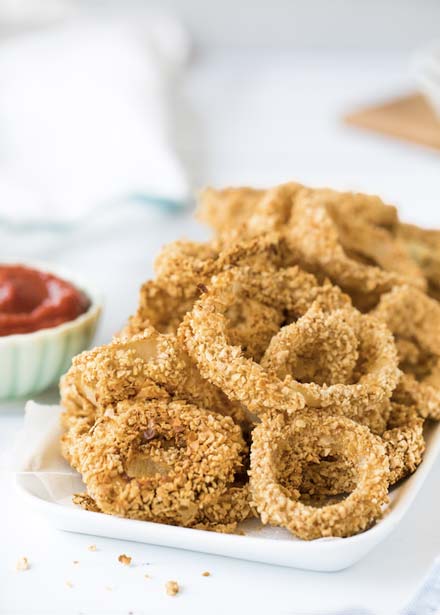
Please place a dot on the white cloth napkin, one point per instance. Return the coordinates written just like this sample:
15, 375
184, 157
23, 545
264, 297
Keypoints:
86, 118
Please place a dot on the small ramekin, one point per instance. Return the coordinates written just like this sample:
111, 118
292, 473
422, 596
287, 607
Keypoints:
32, 362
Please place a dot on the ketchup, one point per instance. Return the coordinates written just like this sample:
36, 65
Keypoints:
31, 300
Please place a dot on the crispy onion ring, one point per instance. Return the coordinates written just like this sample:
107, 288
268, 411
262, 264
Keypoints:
405, 445
185, 268
365, 260
349, 237
227, 208
283, 444
163, 461
404, 441
342, 361
319, 347
253, 212
227, 510
222, 515
414, 319
147, 366
204, 332
423, 246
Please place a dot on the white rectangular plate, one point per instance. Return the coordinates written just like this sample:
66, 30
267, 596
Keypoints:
260, 544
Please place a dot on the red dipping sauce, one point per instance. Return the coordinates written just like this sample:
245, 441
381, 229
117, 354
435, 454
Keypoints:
31, 300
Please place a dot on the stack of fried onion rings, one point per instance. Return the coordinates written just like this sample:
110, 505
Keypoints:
300, 344
371, 362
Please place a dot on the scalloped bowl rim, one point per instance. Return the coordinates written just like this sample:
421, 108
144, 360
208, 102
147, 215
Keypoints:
93, 311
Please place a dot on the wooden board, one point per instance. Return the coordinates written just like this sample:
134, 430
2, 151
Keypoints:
410, 118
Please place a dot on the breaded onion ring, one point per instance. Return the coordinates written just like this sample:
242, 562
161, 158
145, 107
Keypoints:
204, 332
163, 461
222, 515
147, 366
246, 212
414, 319
423, 246
283, 444
228, 510
183, 270
227, 208
404, 441
342, 361
363, 259
349, 237
319, 347
405, 445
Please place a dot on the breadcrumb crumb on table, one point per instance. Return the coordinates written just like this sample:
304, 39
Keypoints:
124, 559
91, 548
206, 574
172, 588
22, 564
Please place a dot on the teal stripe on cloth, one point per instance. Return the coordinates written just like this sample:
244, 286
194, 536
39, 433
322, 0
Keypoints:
169, 206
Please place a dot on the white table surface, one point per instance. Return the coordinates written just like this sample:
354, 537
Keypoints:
242, 117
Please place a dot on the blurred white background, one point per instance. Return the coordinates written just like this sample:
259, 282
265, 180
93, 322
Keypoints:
314, 24
104, 104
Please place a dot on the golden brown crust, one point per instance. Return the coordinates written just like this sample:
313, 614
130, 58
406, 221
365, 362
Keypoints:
404, 441
423, 246
160, 460
349, 237
414, 319
363, 364
283, 444
146, 366
183, 270
363, 259
257, 327
227, 208
260, 389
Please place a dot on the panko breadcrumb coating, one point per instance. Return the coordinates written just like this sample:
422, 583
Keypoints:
283, 443
260, 386
160, 460
423, 246
405, 445
149, 365
363, 363
348, 237
320, 347
303, 330
414, 319
184, 268
404, 441
227, 208
364, 260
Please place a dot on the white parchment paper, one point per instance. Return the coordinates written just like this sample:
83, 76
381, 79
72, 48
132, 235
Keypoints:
36, 451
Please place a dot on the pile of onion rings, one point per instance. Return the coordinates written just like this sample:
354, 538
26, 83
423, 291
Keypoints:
285, 369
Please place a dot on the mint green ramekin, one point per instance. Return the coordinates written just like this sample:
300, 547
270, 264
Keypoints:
32, 362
